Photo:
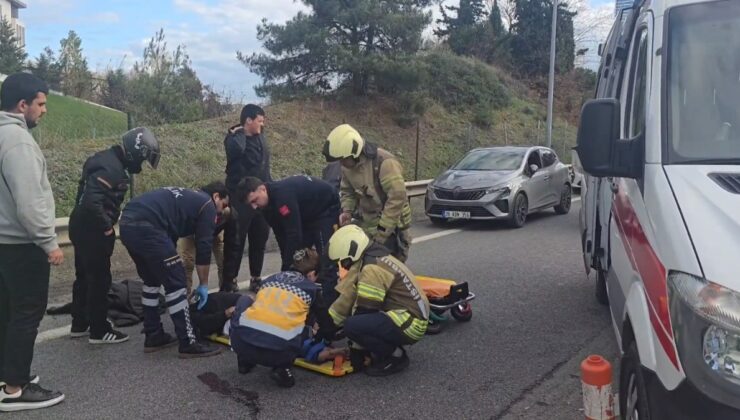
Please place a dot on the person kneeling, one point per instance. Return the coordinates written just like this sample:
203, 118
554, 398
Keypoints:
381, 306
268, 330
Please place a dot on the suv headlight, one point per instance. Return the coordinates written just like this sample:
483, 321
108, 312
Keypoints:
500, 190
706, 324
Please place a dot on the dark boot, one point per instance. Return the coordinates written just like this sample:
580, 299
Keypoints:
283, 377
199, 349
254, 284
388, 365
158, 341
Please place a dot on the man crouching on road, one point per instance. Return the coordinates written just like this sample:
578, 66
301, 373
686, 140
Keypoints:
150, 226
390, 308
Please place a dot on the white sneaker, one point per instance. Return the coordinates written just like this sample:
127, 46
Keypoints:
30, 397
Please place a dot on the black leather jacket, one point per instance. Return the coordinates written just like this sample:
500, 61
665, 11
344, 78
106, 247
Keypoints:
102, 189
245, 156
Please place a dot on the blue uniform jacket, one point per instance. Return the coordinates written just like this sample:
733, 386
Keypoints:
180, 212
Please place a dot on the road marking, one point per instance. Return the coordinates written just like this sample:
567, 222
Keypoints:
60, 332
435, 235
576, 198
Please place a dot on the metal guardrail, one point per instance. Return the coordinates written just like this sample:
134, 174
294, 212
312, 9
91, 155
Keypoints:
413, 189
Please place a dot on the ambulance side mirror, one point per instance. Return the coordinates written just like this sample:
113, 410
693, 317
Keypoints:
600, 151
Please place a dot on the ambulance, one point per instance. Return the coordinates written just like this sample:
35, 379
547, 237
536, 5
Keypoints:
659, 148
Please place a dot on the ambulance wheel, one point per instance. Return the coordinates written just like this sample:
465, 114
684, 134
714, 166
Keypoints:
633, 399
462, 312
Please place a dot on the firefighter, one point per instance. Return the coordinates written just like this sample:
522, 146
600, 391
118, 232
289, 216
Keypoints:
381, 306
372, 186
151, 224
303, 212
102, 188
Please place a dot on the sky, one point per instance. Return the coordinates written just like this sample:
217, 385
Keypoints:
115, 32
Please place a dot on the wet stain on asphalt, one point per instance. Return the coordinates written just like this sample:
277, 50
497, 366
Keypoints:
250, 399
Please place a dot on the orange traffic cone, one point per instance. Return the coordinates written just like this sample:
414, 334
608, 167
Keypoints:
596, 383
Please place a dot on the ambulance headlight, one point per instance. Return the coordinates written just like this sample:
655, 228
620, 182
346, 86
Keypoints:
706, 325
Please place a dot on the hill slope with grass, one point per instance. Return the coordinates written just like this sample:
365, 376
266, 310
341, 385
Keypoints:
193, 153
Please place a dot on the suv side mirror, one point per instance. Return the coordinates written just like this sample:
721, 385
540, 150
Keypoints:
600, 151
533, 168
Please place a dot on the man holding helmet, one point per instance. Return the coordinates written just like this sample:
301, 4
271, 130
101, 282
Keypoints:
390, 308
102, 188
372, 185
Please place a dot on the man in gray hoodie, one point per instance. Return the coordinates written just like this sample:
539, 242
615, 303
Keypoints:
28, 243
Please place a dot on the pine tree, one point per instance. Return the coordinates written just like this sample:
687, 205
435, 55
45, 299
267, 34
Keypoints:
494, 19
46, 68
337, 43
465, 32
12, 55
531, 42
76, 78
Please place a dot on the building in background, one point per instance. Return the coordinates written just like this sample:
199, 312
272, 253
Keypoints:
621, 4
9, 11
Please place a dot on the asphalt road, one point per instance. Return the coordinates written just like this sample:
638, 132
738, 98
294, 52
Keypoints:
535, 318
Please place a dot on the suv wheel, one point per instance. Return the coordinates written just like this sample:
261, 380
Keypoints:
563, 206
519, 211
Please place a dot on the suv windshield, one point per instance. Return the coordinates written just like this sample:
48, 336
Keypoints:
492, 160
703, 84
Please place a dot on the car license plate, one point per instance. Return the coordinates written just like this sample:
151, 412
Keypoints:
457, 214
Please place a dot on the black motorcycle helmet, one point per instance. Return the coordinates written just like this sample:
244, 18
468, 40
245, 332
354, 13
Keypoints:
140, 145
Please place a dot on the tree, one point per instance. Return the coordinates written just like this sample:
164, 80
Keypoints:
47, 68
336, 43
114, 94
531, 41
494, 19
466, 32
163, 86
76, 78
12, 54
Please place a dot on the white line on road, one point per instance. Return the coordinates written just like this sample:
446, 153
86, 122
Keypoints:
434, 235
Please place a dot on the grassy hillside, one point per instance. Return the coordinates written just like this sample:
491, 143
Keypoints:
193, 153
70, 118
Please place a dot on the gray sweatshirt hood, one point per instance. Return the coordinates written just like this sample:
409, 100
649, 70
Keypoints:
7, 118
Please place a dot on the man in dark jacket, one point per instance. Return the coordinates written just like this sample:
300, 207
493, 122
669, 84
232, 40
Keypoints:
247, 154
303, 212
102, 189
151, 224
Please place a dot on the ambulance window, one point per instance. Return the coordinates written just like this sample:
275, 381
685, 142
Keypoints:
639, 86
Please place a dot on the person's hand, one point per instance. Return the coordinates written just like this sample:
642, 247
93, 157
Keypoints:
109, 232
201, 293
230, 311
345, 218
56, 257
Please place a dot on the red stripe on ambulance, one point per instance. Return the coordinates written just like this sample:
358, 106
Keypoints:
645, 261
